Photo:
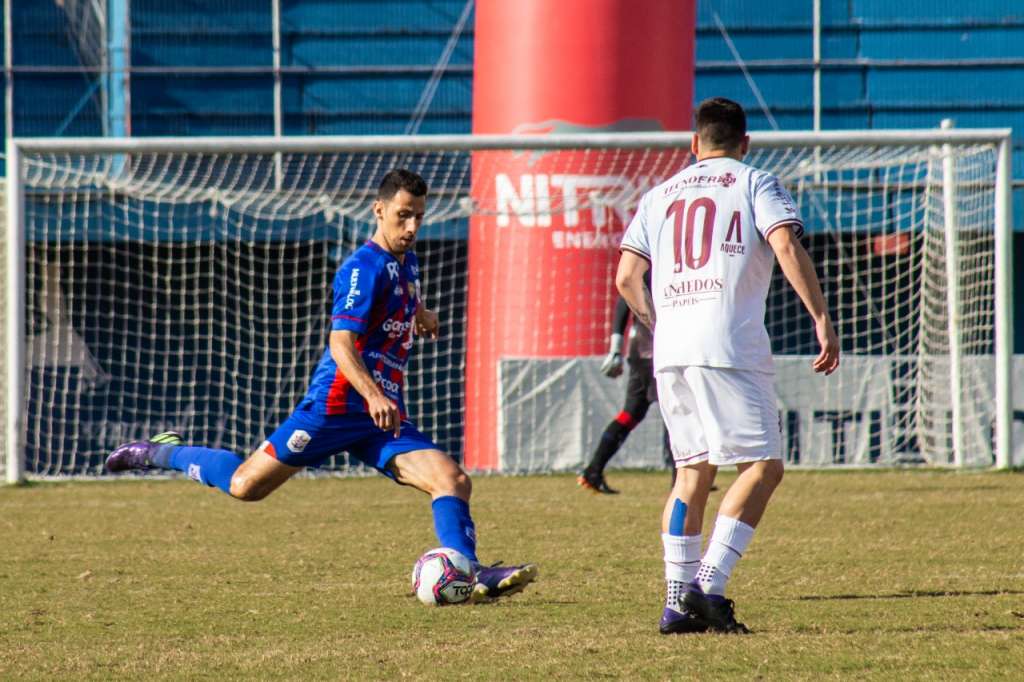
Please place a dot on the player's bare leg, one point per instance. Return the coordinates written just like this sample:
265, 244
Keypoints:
433, 472
258, 476
681, 524
438, 475
692, 486
249, 480
748, 496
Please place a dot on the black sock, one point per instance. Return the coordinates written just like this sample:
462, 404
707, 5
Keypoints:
611, 440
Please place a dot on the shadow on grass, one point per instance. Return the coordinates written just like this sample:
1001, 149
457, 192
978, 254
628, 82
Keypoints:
941, 489
933, 628
23, 484
908, 595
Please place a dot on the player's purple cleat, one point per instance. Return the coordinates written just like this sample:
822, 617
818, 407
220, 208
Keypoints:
139, 454
501, 581
715, 611
675, 622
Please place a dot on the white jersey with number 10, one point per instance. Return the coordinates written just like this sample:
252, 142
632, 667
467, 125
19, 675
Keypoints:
705, 233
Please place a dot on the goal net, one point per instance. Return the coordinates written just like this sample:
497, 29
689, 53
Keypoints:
186, 285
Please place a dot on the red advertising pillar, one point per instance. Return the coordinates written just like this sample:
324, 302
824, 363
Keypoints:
541, 263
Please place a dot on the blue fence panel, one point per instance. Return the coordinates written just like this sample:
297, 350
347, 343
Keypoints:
381, 123
741, 14
975, 88
784, 89
840, 42
46, 104
931, 12
309, 48
754, 44
214, 104
390, 93
372, 15
955, 42
207, 33
40, 34
844, 88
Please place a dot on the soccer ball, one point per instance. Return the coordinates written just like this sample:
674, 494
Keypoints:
443, 576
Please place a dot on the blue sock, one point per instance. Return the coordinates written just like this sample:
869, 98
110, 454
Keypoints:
454, 526
206, 465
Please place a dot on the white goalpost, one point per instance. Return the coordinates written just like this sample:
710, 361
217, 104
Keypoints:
184, 283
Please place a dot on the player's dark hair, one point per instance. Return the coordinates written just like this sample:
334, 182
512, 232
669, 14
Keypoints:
399, 179
721, 123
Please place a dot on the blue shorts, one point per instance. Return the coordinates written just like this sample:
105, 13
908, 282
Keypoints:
307, 439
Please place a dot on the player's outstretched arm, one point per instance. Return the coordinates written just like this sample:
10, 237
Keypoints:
799, 270
383, 411
629, 279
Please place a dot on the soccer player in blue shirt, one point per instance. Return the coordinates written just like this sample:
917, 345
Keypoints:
354, 402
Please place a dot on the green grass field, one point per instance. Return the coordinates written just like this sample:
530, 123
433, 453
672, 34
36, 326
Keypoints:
866, 575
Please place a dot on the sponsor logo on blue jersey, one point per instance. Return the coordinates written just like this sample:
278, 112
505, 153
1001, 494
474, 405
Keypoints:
376, 297
353, 291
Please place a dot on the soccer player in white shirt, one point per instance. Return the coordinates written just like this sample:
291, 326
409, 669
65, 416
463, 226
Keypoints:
711, 235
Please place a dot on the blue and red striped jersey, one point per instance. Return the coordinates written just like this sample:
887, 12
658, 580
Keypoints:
375, 296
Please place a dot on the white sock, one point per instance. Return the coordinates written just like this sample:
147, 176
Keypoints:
729, 541
682, 558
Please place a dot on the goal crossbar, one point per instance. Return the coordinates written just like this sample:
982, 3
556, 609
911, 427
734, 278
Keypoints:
396, 143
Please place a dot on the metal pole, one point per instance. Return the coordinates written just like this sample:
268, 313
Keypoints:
103, 76
126, 82
278, 124
118, 55
949, 228
817, 63
816, 83
1004, 306
8, 74
15, 318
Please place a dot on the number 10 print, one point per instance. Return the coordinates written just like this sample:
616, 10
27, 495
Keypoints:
682, 239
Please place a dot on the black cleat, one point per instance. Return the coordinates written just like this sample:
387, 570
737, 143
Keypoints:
717, 612
595, 482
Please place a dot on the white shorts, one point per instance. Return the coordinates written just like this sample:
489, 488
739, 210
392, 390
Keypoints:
719, 415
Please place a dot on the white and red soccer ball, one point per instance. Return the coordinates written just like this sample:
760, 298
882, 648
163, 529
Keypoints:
443, 576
